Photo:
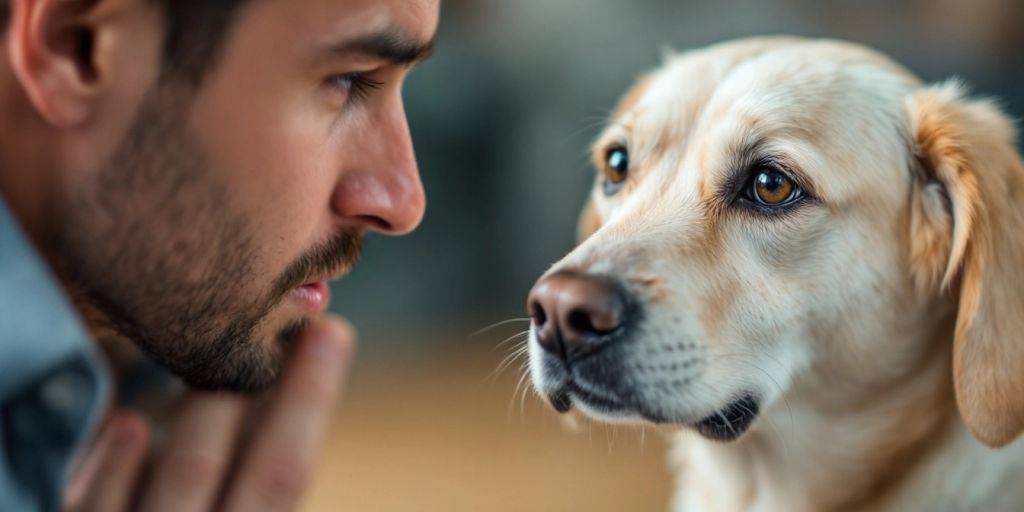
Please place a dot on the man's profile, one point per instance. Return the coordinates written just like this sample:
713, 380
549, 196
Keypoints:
189, 175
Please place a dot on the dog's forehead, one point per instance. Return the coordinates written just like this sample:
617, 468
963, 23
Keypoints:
835, 99
662, 107
756, 65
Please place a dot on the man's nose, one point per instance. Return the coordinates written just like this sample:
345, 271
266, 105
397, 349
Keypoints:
382, 191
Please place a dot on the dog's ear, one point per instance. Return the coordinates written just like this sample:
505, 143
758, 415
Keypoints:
590, 221
968, 236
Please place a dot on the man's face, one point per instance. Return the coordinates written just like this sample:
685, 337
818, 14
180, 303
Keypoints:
209, 235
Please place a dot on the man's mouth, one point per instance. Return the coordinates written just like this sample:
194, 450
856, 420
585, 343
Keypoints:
313, 296
305, 280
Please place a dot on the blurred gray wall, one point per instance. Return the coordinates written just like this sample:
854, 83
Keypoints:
503, 114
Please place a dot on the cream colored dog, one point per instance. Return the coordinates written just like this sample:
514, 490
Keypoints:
811, 263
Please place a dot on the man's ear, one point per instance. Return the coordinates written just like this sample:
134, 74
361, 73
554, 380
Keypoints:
590, 221
968, 235
52, 48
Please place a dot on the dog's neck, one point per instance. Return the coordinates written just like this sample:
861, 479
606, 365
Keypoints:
840, 451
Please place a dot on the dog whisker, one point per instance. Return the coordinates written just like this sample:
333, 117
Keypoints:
496, 325
524, 370
526, 389
514, 337
643, 438
745, 357
507, 361
728, 423
785, 400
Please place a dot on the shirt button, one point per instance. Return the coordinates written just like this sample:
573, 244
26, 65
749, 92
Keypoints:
64, 392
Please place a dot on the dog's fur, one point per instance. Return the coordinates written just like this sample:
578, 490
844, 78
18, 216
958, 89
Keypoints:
880, 325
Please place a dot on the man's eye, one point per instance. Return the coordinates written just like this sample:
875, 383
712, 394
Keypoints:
357, 86
772, 188
616, 169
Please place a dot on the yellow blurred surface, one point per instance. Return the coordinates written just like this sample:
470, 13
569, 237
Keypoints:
441, 433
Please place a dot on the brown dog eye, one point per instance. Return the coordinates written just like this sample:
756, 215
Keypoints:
773, 188
616, 169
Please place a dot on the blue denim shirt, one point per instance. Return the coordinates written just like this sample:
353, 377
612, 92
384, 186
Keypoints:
53, 384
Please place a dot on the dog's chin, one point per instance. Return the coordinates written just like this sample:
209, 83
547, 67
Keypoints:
724, 425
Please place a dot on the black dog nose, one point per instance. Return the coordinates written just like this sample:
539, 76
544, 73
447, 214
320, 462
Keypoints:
575, 314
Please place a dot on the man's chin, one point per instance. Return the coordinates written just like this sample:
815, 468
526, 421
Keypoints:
288, 335
243, 370
245, 358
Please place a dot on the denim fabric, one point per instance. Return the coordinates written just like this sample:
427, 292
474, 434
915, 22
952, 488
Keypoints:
53, 384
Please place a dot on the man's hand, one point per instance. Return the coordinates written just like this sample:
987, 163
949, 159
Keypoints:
206, 464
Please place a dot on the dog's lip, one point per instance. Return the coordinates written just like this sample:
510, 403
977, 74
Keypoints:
562, 399
732, 421
724, 425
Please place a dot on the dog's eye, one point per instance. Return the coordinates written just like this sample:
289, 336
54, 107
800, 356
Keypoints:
773, 188
616, 169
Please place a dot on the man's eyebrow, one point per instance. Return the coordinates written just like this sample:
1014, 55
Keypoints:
388, 45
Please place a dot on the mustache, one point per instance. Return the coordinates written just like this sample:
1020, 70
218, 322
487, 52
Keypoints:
337, 255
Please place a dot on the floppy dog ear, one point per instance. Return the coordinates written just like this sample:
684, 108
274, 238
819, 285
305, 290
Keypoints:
968, 223
590, 221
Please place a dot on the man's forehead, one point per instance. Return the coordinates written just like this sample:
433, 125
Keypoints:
415, 19
333, 22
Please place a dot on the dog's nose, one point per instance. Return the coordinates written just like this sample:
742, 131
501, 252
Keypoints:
575, 314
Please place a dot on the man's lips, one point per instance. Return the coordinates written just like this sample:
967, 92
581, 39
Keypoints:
313, 296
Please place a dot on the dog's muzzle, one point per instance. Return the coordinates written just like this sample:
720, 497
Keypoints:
583, 324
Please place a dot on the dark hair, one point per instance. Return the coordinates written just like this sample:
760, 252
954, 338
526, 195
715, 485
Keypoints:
195, 33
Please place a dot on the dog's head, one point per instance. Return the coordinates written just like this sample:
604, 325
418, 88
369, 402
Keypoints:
777, 214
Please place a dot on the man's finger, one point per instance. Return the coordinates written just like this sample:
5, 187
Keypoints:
123, 446
193, 464
85, 473
275, 469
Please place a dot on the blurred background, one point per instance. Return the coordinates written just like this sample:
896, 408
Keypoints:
502, 117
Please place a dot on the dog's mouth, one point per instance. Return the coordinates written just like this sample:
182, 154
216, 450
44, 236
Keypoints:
730, 423
562, 400
724, 425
